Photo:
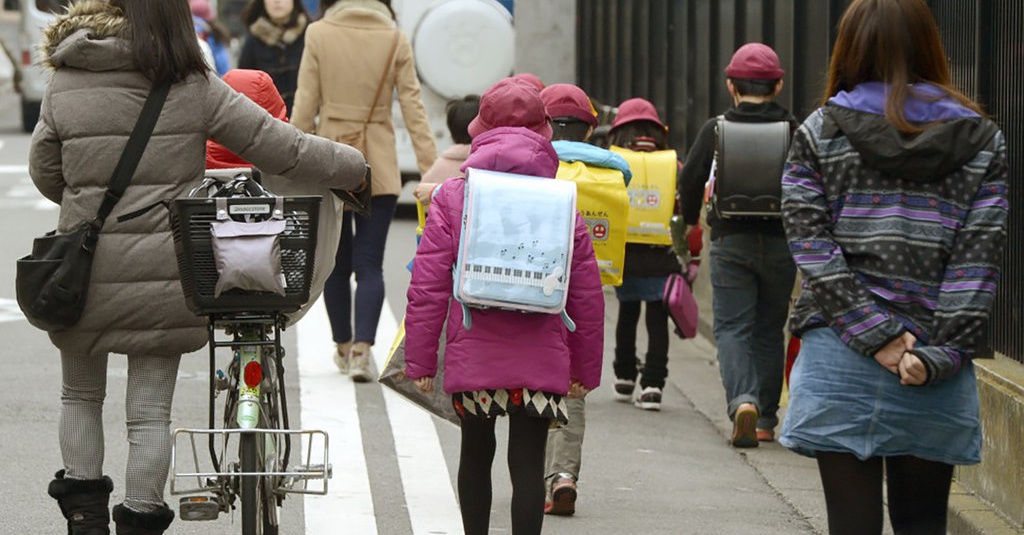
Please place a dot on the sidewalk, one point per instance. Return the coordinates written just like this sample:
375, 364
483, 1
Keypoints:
693, 374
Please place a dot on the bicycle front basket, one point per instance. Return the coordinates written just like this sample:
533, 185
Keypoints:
190, 223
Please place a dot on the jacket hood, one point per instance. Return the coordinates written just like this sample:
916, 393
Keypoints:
259, 87
955, 135
513, 149
90, 35
578, 151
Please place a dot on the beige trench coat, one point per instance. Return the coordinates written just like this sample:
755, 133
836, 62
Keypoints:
345, 54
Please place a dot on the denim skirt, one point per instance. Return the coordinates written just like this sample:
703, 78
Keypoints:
842, 401
641, 288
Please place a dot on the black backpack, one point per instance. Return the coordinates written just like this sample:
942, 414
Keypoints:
746, 177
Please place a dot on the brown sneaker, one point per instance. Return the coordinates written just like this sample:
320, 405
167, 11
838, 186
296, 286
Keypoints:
744, 427
765, 435
359, 362
563, 496
341, 356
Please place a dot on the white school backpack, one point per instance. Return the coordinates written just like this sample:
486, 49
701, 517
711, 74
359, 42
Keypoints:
515, 249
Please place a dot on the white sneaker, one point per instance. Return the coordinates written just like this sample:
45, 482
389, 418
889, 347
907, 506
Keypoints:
649, 399
359, 363
624, 390
341, 356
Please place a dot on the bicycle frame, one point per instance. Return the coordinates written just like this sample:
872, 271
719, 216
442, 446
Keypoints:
256, 410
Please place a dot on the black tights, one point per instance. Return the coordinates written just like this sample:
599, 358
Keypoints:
527, 438
656, 359
918, 493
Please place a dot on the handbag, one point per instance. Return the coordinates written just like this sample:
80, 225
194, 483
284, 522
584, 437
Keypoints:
357, 139
51, 282
680, 304
248, 253
393, 376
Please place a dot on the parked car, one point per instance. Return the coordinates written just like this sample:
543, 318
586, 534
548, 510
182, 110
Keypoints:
35, 15
461, 47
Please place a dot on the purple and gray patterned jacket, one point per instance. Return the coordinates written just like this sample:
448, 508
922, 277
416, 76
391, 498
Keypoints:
897, 233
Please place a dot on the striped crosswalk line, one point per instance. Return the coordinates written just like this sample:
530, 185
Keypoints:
328, 402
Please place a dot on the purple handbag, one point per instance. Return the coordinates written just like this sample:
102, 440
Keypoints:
679, 302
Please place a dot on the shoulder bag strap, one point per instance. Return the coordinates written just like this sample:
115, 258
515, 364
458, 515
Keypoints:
133, 150
383, 78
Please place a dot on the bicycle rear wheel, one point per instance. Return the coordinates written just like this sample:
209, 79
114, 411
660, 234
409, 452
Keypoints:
255, 499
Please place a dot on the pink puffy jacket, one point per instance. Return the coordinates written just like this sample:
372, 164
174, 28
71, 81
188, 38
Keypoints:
504, 349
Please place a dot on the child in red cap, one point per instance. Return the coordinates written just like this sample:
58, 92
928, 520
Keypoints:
496, 371
638, 129
752, 272
573, 120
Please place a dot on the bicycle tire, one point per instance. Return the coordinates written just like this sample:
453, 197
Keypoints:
251, 491
254, 494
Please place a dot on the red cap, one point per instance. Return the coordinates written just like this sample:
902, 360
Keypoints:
755, 61
567, 100
531, 78
511, 102
636, 109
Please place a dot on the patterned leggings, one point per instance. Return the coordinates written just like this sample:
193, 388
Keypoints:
148, 417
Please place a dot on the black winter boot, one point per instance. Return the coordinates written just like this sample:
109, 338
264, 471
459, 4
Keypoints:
133, 523
84, 502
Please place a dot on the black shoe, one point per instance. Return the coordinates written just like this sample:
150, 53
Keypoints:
135, 523
84, 503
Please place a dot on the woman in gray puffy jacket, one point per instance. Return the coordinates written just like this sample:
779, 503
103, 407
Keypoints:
105, 57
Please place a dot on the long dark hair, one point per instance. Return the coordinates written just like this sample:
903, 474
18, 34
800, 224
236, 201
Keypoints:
258, 8
162, 38
892, 41
324, 4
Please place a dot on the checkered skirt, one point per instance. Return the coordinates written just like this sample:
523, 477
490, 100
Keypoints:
491, 403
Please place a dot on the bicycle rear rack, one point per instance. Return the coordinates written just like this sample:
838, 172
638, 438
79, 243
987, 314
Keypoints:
294, 479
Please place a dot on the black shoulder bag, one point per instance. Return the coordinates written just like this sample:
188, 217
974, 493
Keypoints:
51, 283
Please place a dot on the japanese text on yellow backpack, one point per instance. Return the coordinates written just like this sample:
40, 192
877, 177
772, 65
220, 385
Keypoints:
603, 201
652, 194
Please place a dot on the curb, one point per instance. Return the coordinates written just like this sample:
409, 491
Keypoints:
970, 515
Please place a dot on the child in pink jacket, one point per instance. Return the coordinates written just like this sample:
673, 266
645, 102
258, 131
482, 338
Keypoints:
514, 364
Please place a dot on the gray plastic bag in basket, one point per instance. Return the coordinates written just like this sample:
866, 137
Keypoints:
248, 254
393, 376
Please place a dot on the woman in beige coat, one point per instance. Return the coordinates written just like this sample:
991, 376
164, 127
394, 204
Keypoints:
354, 61
105, 57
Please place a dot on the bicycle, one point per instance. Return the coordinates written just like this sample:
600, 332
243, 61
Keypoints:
255, 409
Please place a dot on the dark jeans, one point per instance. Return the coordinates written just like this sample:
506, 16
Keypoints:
655, 365
361, 251
752, 278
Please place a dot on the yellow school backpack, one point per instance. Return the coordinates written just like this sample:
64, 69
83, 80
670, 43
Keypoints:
652, 195
603, 201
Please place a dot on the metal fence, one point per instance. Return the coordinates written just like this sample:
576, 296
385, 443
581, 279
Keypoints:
673, 52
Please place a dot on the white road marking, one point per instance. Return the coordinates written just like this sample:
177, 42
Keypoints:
9, 311
328, 402
429, 496
12, 169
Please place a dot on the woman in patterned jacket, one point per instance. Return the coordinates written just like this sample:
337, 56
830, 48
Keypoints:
895, 206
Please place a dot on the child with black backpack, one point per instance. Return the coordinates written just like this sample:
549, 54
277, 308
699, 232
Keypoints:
752, 271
